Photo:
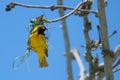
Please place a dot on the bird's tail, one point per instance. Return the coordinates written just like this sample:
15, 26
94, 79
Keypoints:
42, 59
43, 62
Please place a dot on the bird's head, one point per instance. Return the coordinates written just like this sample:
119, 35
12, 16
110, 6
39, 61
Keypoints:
42, 29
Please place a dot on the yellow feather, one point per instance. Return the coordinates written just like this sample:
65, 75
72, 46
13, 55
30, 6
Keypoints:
38, 44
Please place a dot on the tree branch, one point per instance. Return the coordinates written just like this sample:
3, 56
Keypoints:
117, 52
88, 56
87, 27
100, 71
118, 69
80, 64
104, 39
53, 7
116, 63
67, 44
13, 4
67, 15
100, 75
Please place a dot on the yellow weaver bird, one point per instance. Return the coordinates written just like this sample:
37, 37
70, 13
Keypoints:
37, 42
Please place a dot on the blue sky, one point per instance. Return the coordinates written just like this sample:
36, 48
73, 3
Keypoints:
14, 35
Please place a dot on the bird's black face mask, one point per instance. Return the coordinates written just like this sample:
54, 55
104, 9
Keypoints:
41, 30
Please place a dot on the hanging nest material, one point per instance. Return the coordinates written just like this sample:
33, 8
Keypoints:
20, 60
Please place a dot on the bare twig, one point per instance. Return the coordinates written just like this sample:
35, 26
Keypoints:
100, 75
87, 27
113, 33
43, 7
117, 52
88, 56
80, 64
116, 55
116, 63
67, 43
67, 15
52, 8
118, 69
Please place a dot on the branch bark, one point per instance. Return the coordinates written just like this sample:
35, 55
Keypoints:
104, 39
67, 44
100, 75
117, 52
13, 4
53, 7
67, 15
88, 56
80, 64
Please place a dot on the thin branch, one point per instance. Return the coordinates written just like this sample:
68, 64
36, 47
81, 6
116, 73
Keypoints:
116, 55
117, 52
87, 27
67, 43
116, 70
116, 63
88, 56
13, 4
43, 7
53, 7
80, 64
67, 15
113, 33
100, 75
